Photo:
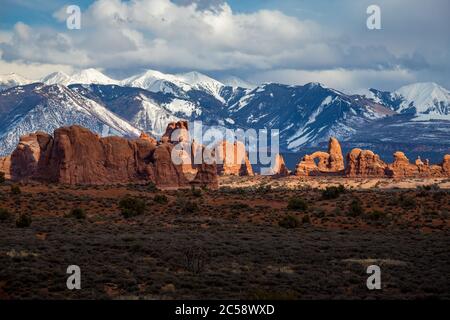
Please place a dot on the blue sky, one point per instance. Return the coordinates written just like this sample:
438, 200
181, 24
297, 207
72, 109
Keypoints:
290, 41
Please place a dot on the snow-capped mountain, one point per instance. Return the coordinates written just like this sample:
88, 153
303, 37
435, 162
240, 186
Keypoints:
145, 110
199, 81
305, 115
155, 81
34, 107
86, 76
236, 82
56, 78
12, 80
177, 84
427, 101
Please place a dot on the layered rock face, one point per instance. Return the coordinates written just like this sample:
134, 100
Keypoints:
75, 155
322, 163
233, 160
364, 163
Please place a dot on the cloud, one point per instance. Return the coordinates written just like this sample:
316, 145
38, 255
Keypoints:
349, 81
209, 36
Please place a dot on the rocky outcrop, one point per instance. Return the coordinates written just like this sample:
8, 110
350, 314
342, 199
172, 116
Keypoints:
323, 163
364, 163
278, 168
402, 168
232, 160
446, 165
176, 132
5, 166
75, 155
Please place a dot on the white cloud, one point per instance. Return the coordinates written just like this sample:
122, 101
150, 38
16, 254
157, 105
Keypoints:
349, 81
265, 45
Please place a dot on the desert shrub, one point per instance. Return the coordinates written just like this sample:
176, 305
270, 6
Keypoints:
264, 189
161, 199
237, 206
15, 189
5, 214
195, 260
306, 219
297, 204
2, 177
190, 207
151, 186
355, 209
430, 187
333, 192
377, 215
289, 222
78, 213
24, 221
407, 202
196, 192
131, 207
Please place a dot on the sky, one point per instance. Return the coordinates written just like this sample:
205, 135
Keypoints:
286, 41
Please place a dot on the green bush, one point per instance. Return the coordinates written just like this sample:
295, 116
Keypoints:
151, 186
297, 204
407, 202
78, 213
190, 207
131, 207
196, 192
306, 219
5, 214
24, 221
289, 222
333, 192
15, 189
161, 199
376, 215
2, 177
356, 209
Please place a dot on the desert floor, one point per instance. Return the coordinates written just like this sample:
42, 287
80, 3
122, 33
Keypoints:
248, 240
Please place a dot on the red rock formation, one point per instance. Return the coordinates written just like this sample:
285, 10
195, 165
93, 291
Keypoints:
176, 132
331, 162
233, 160
5, 166
446, 165
401, 167
364, 163
76, 155
279, 167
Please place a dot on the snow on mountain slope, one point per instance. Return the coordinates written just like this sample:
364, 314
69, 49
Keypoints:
236, 82
426, 101
56, 78
45, 108
178, 84
148, 111
429, 100
86, 76
155, 81
304, 115
200, 81
11, 80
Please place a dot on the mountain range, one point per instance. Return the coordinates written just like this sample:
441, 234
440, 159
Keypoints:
416, 116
